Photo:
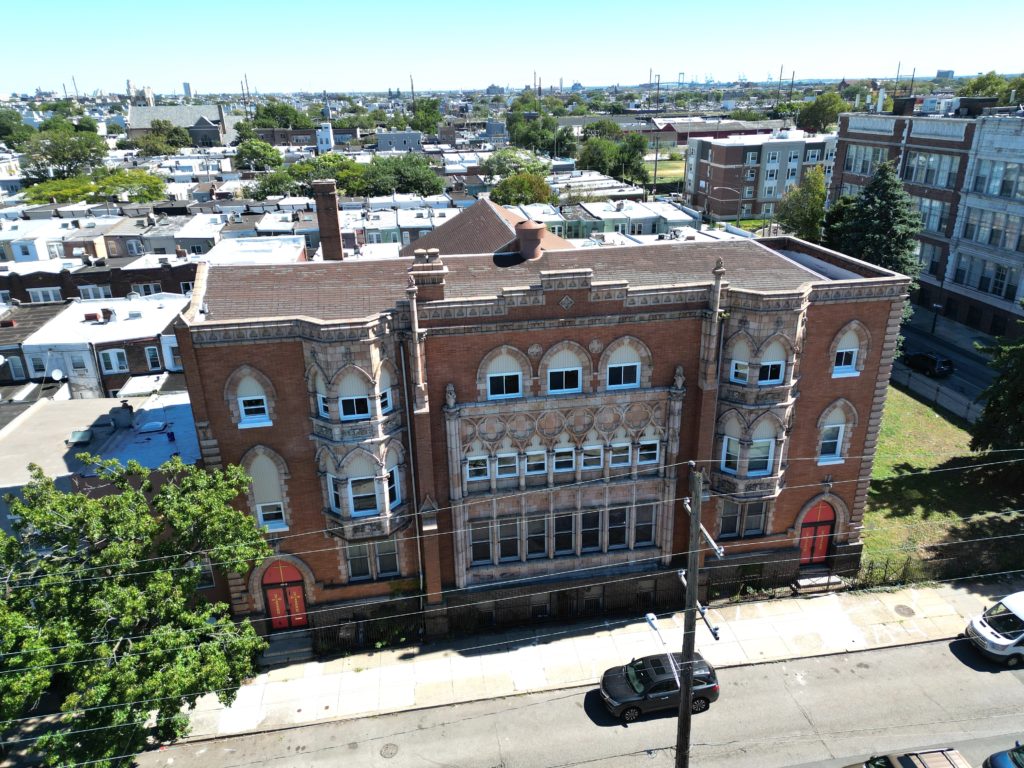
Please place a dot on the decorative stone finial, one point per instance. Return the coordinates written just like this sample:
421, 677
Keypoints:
678, 381
449, 395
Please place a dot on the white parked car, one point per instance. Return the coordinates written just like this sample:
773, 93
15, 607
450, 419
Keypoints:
999, 632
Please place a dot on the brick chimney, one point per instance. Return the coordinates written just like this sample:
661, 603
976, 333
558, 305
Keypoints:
529, 234
325, 195
428, 271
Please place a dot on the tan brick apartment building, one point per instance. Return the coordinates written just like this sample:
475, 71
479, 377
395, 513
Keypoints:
506, 436
966, 175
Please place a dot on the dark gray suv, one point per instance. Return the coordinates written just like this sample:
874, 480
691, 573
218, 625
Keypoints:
648, 684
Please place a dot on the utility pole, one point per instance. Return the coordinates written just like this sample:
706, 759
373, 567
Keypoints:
689, 619
413, 89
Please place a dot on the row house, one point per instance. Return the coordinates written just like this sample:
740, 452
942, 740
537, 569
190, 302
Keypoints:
963, 172
507, 434
96, 345
115, 277
743, 176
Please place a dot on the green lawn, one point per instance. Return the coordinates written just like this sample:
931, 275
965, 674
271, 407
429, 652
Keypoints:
930, 497
668, 170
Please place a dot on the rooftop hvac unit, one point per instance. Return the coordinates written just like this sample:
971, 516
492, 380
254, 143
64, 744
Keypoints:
92, 317
135, 315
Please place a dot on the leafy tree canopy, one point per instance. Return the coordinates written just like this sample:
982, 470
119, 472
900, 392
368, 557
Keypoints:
256, 155
13, 132
822, 113
523, 189
1001, 424
631, 154
163, 138
245, 131
599, 155
276, 114
60, 155
880, 225
426, 115
127, 638
604, 129
989, 84
510, 160
66, 107
409, 173
746, 114
133, 186
802, 209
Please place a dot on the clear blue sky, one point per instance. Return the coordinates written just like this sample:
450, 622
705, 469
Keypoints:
355, 46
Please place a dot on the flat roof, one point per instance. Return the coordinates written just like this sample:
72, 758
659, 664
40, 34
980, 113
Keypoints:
256, 250
40, 435
70, 326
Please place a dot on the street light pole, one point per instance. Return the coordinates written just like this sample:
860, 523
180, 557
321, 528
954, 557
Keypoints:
689, 620
739, 200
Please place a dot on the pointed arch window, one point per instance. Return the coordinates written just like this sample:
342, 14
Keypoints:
267, 494
253, 406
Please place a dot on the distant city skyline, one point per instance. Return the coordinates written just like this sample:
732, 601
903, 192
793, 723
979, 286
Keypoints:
469, 46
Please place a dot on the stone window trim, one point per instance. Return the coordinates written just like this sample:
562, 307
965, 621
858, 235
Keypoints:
767, 512
849, 424
232, 399
643, 352
525, 371
330, 467
585, 366
864, 344
375, 557
732, 427
283, 475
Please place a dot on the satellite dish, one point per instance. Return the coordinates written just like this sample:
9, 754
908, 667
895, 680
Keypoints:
57, 374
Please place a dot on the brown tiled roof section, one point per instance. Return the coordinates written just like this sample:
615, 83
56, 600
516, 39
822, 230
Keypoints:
354, 289
482, 228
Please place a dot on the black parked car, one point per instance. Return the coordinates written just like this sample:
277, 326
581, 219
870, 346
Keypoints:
930, 364
648, 684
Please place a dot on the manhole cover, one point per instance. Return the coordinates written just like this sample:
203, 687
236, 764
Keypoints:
389, 750
904, 610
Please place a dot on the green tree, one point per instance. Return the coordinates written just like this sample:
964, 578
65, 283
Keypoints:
348, 174
989, 84
61, 155
426, 115
272, 184
13, 132
523, 189
133, 186
409, 174
57, 123
838, 231
822, 113
73, 190
511, 160
1001, 425
802, 209
86, 123
86, 603
746, 114
599, 155
276, 114
605, 129
881, 225
256, 155
65, 107
630, 159
245, 131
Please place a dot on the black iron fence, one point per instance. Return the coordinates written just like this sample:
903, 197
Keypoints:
385, 625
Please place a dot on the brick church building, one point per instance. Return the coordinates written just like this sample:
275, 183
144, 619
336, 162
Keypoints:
505, 436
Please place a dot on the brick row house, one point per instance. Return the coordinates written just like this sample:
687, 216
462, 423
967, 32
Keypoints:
965, 173
505, 436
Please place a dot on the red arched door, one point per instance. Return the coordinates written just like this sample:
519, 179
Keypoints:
285, 599
816, 534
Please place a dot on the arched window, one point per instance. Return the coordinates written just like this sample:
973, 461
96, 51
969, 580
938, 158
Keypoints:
773, 365
503, 373
267, 493
730, 458
848, 351
739, 363
253, 404
761, 454
623, 368
565, 369
355, 493
391, 467
353, 397
385, 383
322, 402
834, 429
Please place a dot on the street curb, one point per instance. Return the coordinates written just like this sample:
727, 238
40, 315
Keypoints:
295, 726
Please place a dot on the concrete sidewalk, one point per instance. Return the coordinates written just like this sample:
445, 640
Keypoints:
552, 657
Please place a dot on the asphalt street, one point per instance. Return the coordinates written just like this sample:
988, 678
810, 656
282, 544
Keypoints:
972, 373
824, 712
